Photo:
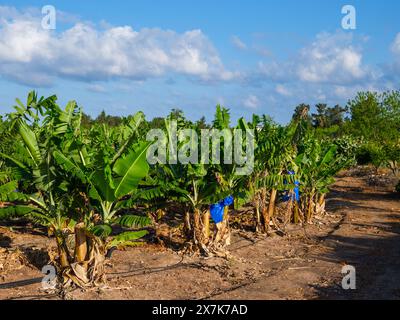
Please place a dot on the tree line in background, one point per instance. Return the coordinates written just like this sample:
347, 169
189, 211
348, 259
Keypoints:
89, 183
373, 119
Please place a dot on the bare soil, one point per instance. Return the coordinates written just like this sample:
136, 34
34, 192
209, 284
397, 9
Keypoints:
361, 228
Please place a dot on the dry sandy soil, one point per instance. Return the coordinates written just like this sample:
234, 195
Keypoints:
362, 228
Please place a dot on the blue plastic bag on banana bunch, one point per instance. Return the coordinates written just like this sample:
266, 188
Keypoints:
217, 209
296, 195
227, 201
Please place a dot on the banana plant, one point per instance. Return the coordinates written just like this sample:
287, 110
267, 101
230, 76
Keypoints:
197, 188
44, 196
318, 163
274, 155
107, 182
62, 193
229, 182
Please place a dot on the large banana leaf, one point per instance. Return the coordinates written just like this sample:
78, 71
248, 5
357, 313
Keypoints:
101, 230
131, 168
72, 168
69, 166
329, 156
65, 118
127, 238
133, 221
30, 141
134, 124
102, 186
15, 211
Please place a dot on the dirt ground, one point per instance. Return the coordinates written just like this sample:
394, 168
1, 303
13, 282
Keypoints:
362, 229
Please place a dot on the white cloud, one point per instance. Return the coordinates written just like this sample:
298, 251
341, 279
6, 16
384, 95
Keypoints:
251, 102
32, 55
238, 43
331, 58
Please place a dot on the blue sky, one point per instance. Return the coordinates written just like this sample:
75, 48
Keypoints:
251, 56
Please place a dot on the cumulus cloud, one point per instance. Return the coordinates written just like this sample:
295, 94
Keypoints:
329, 69
29, 54
332, 58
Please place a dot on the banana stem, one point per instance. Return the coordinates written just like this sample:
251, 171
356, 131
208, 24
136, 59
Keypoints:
271, 206
310, 208
62, 251
187, 224
80, 243
296, 212
258, 221
206, 225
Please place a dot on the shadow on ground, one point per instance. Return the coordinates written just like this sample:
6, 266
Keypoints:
372, 246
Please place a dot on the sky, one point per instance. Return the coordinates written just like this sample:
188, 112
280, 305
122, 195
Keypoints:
253, 56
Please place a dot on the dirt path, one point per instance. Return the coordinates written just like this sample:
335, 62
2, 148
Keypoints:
362, 229
367, 237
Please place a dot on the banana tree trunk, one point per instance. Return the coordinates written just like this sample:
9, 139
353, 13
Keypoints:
320, 204
197, 236
310, 208
257, 213
206, 226
296, 215
258, 216
85, 266
90, 271
187, 224
227, 229
271, 208
64, 258
81, 248
223, 237
264, 210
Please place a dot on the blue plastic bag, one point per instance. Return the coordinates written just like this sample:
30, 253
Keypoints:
217, 209
296, 191
296, 195
228, 201
217, 212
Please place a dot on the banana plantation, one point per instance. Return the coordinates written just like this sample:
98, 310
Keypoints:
93, 191
81, 183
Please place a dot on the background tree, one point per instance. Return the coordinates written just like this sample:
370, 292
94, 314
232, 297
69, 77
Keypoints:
301, 112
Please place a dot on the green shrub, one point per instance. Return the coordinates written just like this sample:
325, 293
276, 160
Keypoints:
370, 154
